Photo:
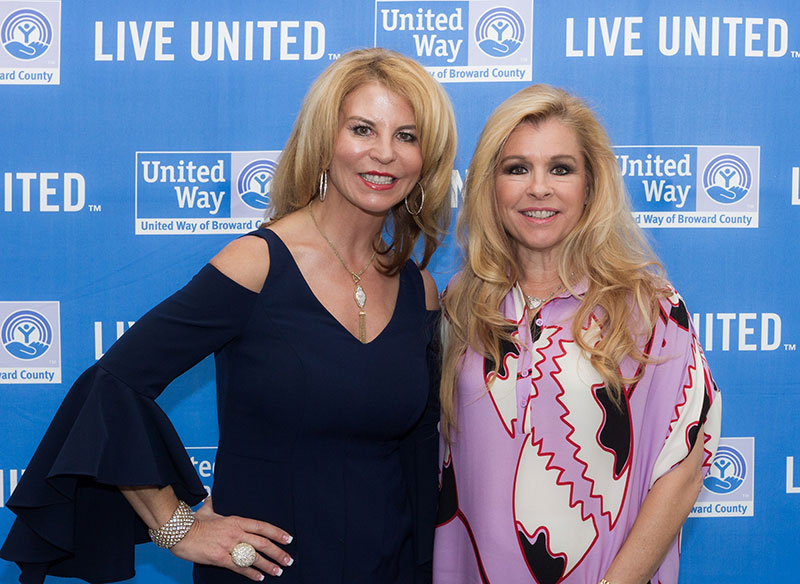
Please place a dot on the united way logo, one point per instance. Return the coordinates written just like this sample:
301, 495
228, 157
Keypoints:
460, 40
200, 192
26, 34
26, 334
31, 42
727, 179
728, 489
500, 32
692, 186
31, 340
728, 471
253, 183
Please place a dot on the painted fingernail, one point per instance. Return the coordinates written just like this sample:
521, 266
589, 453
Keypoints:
288, 561
277, 571
287, 538
261, 577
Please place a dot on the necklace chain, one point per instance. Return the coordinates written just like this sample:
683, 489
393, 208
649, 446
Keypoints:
534, 302
359, 295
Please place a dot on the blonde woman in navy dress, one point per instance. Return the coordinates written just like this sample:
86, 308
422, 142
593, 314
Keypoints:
577, 405
321, 328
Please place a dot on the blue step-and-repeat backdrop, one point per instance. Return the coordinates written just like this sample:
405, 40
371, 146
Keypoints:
98, 98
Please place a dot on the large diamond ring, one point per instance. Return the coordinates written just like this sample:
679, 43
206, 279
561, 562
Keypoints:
243, 555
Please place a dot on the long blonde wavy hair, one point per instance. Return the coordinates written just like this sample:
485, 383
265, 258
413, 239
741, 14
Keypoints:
310, 146
606, 249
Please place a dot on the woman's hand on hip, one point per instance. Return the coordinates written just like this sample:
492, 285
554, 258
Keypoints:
213, 536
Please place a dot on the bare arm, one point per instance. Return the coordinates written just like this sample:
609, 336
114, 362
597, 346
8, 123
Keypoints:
660, 518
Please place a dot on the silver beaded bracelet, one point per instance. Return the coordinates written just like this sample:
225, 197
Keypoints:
175, 529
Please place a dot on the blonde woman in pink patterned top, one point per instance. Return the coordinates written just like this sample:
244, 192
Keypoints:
579, 415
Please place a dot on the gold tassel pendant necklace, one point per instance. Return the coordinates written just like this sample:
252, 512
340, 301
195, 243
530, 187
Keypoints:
359, 295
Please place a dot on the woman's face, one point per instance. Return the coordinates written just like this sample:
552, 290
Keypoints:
540, 185
377, 157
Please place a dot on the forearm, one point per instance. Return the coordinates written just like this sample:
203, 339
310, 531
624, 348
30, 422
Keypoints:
153, 505
663, 512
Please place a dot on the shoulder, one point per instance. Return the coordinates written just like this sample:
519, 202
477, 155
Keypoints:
455, 278
244, 260
671, 303
431, 292
673, 332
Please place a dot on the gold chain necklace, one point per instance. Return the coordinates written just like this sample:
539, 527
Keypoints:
358, 294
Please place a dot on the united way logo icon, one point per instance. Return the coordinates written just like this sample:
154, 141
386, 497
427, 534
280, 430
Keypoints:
26, 34
729, 487
26, 334
31, 340
728, 471
727, 179
500, 32
30, 42
253, 183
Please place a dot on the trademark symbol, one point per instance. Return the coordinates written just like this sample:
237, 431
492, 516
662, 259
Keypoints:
95, 208
795, 54
789, 347
335, 56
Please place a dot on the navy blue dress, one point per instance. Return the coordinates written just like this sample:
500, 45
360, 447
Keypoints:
328, 438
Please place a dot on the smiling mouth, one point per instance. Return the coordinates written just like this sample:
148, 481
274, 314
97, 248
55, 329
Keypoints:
539, 214
378, 179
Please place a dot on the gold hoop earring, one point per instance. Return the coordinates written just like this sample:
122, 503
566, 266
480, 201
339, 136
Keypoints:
323, 185
421, 201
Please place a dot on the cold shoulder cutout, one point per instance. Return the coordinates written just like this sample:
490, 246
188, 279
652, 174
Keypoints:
244, 260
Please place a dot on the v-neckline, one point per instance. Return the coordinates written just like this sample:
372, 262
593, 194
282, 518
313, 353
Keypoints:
325, 309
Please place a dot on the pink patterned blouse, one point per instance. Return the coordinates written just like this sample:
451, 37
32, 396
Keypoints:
544, 475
